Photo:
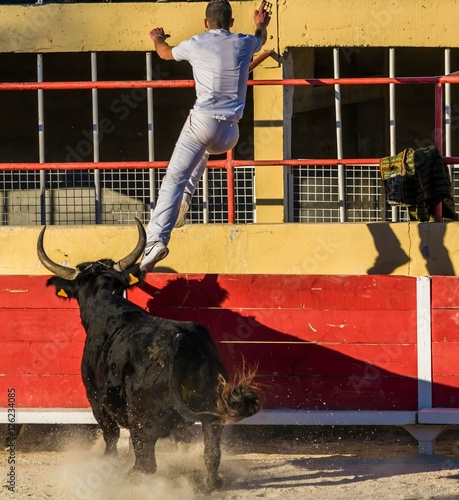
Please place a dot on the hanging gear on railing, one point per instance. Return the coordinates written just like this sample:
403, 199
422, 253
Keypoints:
419, 180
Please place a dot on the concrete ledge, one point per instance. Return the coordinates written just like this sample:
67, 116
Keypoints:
265, 417
49, 416
425, 425
235, 248
324, 417
433, 416
448, 416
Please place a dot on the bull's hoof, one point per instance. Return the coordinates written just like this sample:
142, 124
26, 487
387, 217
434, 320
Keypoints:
111, 452
142, 469
213, 483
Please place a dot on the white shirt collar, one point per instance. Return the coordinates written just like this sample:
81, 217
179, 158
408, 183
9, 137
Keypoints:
218, 30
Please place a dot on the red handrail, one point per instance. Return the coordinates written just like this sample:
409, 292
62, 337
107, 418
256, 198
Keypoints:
128, 165
138, 84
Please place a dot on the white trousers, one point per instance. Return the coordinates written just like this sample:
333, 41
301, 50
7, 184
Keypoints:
201, 135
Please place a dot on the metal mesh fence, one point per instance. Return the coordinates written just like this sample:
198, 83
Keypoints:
20, 198
316, 199
315, 194
71, 197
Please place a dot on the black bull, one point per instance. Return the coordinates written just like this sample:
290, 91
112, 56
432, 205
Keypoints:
148, 374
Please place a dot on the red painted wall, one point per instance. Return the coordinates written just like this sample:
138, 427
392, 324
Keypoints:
321, 342
41, 343
445, 341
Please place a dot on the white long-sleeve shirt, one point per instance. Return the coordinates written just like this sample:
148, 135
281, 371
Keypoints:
220, 61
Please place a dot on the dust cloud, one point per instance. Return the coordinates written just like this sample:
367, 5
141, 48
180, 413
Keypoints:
85, 475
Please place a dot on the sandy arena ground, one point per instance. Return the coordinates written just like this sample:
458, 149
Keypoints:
265, 462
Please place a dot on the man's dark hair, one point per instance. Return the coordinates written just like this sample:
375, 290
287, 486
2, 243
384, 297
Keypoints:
219, 14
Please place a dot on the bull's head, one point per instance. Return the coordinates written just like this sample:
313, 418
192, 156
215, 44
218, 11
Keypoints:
113, 276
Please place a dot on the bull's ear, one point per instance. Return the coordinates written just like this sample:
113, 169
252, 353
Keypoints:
64, 288
134, 275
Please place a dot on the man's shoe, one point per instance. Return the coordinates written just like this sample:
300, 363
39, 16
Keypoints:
181, 219
152, 255
184, 207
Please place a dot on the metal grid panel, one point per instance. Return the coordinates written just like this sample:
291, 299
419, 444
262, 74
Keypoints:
217, 197
245, 194
315, 194
20, 197
124, 196
455, 184
364, 194
70, 197
316, 197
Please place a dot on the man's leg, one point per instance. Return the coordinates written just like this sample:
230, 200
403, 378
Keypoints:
187, 154
224, 138
200, 133
190, 189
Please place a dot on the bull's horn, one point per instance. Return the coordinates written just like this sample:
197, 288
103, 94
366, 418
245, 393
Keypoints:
67, 273
132, 258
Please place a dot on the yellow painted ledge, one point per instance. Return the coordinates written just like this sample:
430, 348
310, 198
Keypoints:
323, 23
410, 249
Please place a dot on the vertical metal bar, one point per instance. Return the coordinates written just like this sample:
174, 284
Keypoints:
41, 139
339, 139
95, 137
438, 134
151, 133
288, 92
205, 196
392, 119
424, 341
448, 110
230, 182
439, 116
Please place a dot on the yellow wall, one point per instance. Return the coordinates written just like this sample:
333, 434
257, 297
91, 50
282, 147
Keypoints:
105, 26
409, 249
125, 26
412, 249
380, 23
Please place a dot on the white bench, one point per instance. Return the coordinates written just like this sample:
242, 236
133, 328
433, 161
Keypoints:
425, 425
265, 417
331, 417
49, 416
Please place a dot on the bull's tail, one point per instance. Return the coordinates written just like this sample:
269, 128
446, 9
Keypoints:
236, 400
239, 399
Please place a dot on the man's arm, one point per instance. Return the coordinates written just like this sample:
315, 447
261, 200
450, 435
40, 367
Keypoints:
163, 49
261, 19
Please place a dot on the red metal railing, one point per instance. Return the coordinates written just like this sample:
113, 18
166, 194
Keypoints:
230, 163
